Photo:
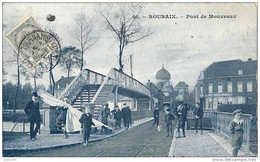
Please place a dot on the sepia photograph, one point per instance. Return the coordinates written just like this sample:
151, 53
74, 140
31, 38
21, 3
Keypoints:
121, 79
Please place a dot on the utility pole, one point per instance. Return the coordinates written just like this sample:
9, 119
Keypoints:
131, 65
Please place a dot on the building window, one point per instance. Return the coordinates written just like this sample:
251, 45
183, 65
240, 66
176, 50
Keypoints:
210, 87
201, 89
240, 100
229, 87
239, 86
230, 100
220, 88
249, 86
219, 101
210, 102
240, 72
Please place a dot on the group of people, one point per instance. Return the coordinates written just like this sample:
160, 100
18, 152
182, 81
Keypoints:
180, 113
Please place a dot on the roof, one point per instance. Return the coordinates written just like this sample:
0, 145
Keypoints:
63, 81
182, 84
230, 68
163, 74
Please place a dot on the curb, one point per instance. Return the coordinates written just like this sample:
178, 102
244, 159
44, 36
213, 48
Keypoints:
142, 121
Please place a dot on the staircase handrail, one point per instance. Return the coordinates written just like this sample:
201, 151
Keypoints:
108, 77
71, 86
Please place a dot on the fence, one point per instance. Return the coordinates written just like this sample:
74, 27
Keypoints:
221, 121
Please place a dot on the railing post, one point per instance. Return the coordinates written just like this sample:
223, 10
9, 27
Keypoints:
23, 125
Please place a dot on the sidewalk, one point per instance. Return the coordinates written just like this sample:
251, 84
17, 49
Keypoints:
44, 141
206, 145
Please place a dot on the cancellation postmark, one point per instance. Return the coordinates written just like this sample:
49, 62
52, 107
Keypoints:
30, 42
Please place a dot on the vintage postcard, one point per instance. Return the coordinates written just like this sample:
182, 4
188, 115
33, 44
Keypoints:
136, 79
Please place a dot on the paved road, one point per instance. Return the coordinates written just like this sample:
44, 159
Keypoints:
141, 141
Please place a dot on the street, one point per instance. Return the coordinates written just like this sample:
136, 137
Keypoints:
141, 141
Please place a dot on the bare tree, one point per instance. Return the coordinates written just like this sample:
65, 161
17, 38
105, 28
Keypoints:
36, 73
83, 34
70, 58
125, 24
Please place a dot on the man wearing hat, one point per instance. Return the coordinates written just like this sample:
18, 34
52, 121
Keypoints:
182, 117
169, 118
105, 114
236, 128
126, 113
117, 116
33, 113
86, 123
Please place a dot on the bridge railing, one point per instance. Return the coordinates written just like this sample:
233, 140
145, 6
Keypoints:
221, 121
86, 76
125, 81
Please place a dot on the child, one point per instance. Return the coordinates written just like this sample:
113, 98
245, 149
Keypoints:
236, 128
86, 123
169, 118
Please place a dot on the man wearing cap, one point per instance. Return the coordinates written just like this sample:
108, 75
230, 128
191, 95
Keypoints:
126, 113
86, 123
105, 114
236, 128
33, 113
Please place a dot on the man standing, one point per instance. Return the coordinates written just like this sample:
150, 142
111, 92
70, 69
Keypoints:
156, 116
169, 118
182, 117
126, 113
117, 116
105, 114
86, 123
33, 113
198, 117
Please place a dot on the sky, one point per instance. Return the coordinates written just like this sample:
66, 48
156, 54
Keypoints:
184, 45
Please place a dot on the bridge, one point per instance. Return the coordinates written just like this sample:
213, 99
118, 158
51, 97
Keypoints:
95, 89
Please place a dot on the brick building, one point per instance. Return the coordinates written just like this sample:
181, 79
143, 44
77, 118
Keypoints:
227, 82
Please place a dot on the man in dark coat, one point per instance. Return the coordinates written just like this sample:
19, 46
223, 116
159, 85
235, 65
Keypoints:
86, 123
105, 114
182, 117
126, 113
156, 116
198, 117
117, 116
33, 113
169, 118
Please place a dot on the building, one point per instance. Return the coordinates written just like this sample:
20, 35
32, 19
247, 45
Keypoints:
227, 82
61, 85
163, 83
182, 91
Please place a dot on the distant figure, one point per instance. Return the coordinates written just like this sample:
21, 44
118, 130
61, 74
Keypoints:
86, 123
156, 116
33, 113
105, 113
126, 113
117, 116
169, 118
198, 117
237, 130
182, 117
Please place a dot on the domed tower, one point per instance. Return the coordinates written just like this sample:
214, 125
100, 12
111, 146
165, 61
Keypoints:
162, 77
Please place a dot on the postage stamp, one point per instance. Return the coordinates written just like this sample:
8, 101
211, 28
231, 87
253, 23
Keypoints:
30, 42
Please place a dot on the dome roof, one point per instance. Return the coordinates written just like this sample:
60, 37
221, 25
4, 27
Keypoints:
163, 74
